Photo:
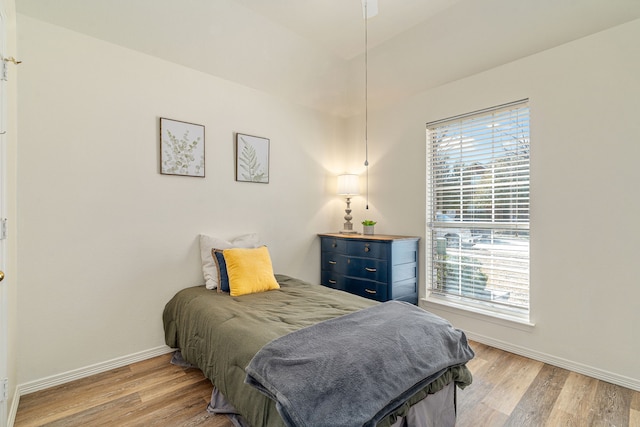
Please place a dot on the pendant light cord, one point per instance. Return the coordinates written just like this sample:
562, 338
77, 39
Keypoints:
366, 100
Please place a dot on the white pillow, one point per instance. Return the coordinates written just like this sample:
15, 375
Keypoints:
209, 268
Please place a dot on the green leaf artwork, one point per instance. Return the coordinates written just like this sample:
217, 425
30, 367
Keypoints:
253, 159
182, 148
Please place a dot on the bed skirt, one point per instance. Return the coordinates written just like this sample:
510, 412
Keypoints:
436, 410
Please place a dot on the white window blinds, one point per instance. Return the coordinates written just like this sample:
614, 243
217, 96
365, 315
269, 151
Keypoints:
478, 206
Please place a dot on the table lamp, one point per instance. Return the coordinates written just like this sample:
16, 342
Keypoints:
348, 186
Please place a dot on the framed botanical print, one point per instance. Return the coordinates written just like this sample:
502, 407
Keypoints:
252, 158
181, 148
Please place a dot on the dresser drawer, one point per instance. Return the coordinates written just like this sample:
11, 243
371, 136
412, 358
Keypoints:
366, 288
334, 262
332, 280
372, 269
363, 248
334, 245
404, 291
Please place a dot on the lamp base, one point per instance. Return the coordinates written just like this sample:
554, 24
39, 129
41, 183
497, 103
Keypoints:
348, 225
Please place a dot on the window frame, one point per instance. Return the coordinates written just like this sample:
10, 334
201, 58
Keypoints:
435, 225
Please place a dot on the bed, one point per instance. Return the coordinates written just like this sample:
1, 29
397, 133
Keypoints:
223, 336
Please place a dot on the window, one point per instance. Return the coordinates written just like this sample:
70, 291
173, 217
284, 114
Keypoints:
478, 208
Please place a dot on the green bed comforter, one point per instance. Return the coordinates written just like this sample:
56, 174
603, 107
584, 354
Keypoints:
220, 334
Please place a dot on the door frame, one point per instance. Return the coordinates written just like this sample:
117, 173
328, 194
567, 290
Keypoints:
4, 332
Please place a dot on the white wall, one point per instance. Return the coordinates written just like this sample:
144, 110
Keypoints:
585, 287
105, 240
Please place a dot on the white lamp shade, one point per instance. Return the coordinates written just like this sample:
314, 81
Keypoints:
348, 185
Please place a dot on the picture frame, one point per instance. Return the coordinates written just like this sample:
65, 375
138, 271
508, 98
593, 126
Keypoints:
181, 148
252, 158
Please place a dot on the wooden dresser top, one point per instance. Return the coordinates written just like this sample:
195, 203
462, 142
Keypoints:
383, 237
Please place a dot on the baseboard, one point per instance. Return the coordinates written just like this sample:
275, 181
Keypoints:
87, 371
580, 368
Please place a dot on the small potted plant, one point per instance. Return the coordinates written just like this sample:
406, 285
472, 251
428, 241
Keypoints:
368, 226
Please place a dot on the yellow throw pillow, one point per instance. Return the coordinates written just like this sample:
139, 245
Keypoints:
249, 271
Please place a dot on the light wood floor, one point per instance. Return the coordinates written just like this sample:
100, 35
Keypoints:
507, 390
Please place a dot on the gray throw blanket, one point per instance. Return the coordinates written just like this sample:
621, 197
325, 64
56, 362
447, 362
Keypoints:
355, 369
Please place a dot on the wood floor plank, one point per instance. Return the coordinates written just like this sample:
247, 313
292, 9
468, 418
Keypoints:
611, 405
574, 402
106, 414
537, 403
153, 363
169, 388
481, 415
507, 390
206, 419
78, 386
485, 358
472, 395
634, 412
512, 375
635, 402
161, 412
107, 388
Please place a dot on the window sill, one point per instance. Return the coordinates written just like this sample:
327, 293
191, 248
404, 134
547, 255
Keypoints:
477, 313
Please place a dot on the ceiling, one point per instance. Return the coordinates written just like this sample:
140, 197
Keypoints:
338, 25
311, 51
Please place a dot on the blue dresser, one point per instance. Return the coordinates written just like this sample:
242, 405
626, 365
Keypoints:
378, 267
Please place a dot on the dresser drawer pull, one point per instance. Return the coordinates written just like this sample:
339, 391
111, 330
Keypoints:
332, 262
369, 291
366, 248
333, 282
370, 270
